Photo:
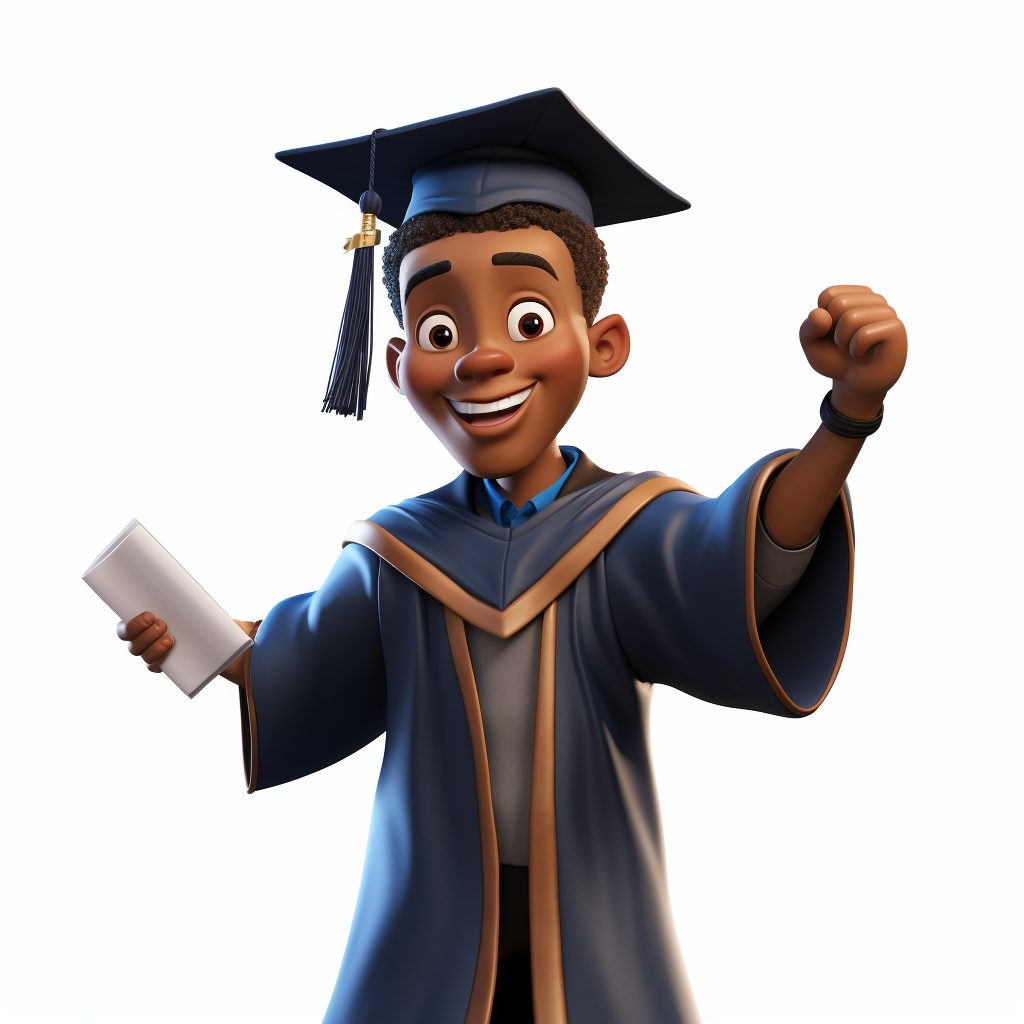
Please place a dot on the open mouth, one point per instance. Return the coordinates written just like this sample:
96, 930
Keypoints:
484, 413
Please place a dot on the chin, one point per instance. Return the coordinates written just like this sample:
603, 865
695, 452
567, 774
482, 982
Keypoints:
493, 460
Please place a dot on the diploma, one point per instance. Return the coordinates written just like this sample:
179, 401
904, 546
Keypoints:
135, 573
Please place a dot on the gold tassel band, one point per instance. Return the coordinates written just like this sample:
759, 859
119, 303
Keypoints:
369, 235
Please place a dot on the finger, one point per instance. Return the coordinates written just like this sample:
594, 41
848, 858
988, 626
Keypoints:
854, 319
875, 333
852, 300
158, 650
133, 627
823, 356
817, 325
880, 368
839, 289
148, 637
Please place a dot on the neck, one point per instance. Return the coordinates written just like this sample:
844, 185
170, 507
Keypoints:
540, 474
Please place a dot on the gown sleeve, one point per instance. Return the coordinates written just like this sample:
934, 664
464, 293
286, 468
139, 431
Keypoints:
315, 688
681, 582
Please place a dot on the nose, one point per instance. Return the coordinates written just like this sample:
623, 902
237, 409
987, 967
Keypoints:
483, 363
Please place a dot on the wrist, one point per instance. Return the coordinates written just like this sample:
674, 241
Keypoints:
858, 405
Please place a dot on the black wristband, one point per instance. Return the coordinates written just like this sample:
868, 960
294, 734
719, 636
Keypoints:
846, 426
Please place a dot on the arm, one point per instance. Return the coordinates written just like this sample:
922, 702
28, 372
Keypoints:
312, 690
855, 338
316, 690
699, 604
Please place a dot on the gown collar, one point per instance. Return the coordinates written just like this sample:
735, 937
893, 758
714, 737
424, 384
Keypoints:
494, 563
504, 511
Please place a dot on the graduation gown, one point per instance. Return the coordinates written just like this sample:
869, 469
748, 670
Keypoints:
638, 580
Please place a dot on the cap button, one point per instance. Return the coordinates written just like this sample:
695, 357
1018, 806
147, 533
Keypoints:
370, 202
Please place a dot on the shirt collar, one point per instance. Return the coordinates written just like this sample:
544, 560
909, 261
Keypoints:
504, 512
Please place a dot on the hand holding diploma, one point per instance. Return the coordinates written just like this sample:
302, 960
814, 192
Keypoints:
153, 594
148, 638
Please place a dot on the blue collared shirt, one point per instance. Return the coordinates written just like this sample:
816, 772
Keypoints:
504, 511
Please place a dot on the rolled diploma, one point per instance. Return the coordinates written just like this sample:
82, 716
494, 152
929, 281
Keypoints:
135, 573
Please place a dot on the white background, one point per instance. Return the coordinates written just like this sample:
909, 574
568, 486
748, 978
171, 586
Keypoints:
171, 297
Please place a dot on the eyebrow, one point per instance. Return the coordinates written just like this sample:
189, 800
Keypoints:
523, 259
425, 274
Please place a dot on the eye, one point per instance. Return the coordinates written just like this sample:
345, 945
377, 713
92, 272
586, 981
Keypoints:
437, 333
529, 320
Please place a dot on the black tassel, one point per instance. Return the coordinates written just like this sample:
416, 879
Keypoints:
350, 371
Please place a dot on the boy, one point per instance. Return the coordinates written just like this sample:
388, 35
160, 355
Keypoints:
505, 630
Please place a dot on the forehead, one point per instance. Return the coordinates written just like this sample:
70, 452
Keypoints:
470, 252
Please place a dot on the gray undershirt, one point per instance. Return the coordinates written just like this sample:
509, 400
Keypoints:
777, 570
507, 673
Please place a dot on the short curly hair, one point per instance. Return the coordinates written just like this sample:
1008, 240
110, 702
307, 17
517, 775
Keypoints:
586, 249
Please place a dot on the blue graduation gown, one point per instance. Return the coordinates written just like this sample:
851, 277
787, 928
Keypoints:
639, 580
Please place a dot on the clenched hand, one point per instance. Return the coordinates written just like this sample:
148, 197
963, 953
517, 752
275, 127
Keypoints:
855, 337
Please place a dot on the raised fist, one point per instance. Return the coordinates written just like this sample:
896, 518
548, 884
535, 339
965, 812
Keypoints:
855, 337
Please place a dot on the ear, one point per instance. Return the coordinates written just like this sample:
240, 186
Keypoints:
609, 345
396, 346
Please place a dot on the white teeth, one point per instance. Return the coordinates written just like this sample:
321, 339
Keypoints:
476, 408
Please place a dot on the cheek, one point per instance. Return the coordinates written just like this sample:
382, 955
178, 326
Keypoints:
564, 363
425, 374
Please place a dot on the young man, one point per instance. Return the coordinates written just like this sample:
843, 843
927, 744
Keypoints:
505, 629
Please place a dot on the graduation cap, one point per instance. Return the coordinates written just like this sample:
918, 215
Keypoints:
536, 148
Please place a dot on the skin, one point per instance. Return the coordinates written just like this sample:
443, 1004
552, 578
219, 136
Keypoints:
853, 336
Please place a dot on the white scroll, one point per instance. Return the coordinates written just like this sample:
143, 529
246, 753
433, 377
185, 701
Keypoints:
134, 573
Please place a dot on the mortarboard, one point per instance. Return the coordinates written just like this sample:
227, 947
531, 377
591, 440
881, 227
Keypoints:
536, 148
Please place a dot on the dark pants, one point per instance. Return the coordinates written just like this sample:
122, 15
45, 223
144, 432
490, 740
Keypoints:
513, 990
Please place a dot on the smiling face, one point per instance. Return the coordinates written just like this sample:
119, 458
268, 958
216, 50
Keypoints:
497, 351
